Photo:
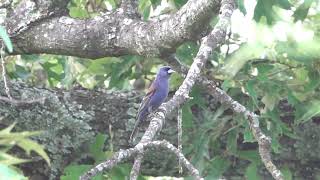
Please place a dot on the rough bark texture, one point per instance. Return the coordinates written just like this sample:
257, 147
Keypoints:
35, 30
68, 119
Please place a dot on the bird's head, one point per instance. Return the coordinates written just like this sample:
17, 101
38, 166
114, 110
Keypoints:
165, 72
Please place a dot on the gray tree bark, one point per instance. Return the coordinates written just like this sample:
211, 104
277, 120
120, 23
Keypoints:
69, 119
40, 28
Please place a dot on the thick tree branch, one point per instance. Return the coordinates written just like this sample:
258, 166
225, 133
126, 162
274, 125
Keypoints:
111, 34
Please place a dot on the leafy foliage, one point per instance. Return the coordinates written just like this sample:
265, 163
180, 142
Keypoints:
8, 140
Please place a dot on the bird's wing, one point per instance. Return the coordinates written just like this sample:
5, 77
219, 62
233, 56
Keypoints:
143, 105
146, 99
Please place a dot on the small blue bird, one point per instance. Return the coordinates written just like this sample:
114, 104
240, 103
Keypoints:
157, 93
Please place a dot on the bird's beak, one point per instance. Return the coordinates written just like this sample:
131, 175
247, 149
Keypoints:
170, 71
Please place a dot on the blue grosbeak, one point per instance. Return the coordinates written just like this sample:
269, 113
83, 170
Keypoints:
157, 93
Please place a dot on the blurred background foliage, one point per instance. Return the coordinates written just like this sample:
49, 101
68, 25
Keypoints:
270, 63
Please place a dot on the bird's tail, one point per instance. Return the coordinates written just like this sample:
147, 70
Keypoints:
135, 131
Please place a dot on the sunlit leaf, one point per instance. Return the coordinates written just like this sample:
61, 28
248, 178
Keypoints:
9, 173
4, 36
241, 6
29, 145
8, 159
239, 58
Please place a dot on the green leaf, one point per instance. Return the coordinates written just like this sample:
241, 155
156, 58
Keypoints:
250, 87
250, 155
232, 141
241, 6
144, 8
96, 148
29, 145
313, 109
4, 36
187, 52
155, 3
238, 59
269, 100
8, 129
285, 4
286, 172
247, 136
291, 98
180, 3
314, 80
73, 172
252, 172
218, 165
264, 8
9, 173
305, 52
302, 11
8, 159
187, 116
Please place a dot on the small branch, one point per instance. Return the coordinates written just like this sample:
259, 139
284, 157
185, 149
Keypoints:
253, 119
4, 74
179, 126
136, 167
5, 3
123, 155
264, 141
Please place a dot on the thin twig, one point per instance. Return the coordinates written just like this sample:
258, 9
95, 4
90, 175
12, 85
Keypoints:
4, 74
180, 136
264, 141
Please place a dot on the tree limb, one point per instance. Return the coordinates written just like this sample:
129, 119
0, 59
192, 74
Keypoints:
110, 34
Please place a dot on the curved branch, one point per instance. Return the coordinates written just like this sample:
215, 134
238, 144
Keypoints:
113, 34
123, 155
253, 119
